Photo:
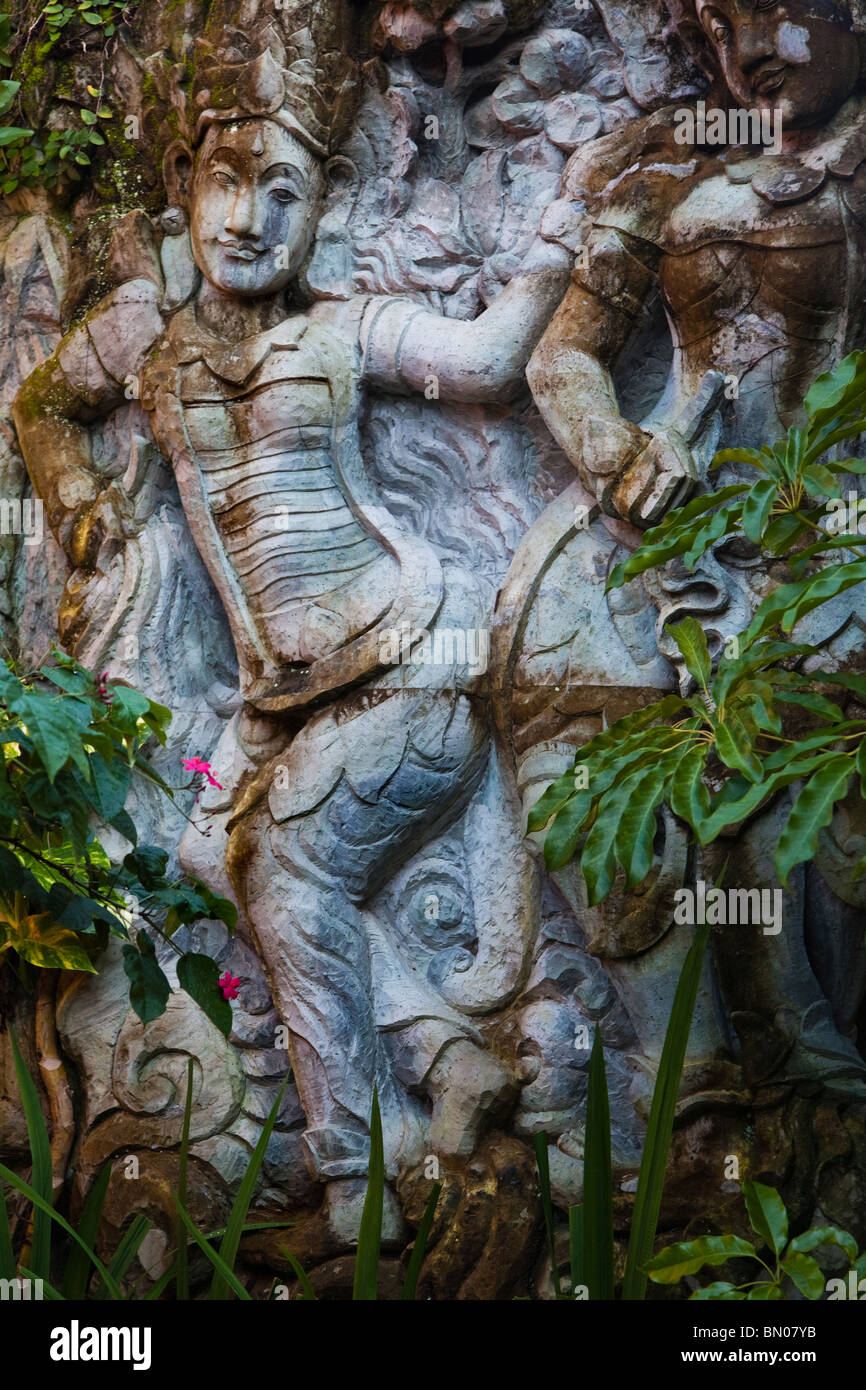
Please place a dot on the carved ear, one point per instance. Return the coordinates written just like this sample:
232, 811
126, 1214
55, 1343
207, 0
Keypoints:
177, 167
341, 177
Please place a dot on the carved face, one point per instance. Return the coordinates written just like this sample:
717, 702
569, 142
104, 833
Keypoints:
254, 206
798, 55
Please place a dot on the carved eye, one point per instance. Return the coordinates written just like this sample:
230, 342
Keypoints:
224, 177
720, 32
284, 195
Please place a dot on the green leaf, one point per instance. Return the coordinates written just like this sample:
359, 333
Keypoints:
689, 797
88, 117
673, 1263
597, 1181
825, 1235
10, 133
812, 810
791, 602
805, 1273
720, 1291
45, 1208
660, 1127
223, 1273
235, 1225
41, 1170
79, 1264
735, 746
539, 1144
576, 1239
766, 1292
757, 508
148, 987
366, 1286
126, 1251
551, 801
309, 1295
692, 642
767, 1214
199, 976
419, 1248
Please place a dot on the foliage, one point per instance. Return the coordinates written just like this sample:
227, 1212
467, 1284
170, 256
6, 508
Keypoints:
79, 1273
45, 157
790, 1259
591, 1231
73, 1263
761, 721
71, 749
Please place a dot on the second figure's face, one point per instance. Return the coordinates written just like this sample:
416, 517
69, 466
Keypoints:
254, 206
799, 56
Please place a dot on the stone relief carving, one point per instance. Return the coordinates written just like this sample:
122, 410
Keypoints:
298, 429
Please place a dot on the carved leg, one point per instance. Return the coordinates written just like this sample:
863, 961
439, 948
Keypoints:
395, 772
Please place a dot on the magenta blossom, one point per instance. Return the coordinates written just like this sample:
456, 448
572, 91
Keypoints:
198, 765
229, 985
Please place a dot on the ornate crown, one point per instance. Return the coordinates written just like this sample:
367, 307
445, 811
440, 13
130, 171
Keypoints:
290, 64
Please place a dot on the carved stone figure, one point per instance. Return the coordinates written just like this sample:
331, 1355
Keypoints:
337, 768
758, 256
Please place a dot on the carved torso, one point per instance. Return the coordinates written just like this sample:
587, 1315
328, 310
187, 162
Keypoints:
260, 436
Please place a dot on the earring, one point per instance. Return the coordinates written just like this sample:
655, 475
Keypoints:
173, 221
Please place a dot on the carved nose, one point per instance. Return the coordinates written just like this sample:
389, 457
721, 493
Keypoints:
753, 46
241, 221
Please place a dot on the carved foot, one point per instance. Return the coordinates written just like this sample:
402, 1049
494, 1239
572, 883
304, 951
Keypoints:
471, 1091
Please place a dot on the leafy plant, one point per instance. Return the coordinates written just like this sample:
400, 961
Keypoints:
27, 157
760, 722
70, 748
789, 1259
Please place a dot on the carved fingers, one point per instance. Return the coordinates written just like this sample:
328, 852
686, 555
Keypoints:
660, 477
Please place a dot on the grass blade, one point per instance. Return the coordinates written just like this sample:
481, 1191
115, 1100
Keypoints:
48, 1291
126, 1250
223, 1271
182, 1286
366, 1285
78, 1267
539, 1143
575, 1247
661, 1121
40, 1151
301, 1276
7, 1254
237, 1216
419, 1249
39, 1201
597, 1181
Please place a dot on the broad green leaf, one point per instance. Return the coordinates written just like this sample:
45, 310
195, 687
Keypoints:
825, 1235
689, 797
805, 1273
767, 1214
199, 976
551, 801
148, 987
676, 1261
735, 747
811, 812
757, 508
692, 642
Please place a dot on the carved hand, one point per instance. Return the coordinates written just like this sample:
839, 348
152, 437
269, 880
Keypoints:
661, 476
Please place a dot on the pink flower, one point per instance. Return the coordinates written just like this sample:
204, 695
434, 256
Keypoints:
198, 765
229, 985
